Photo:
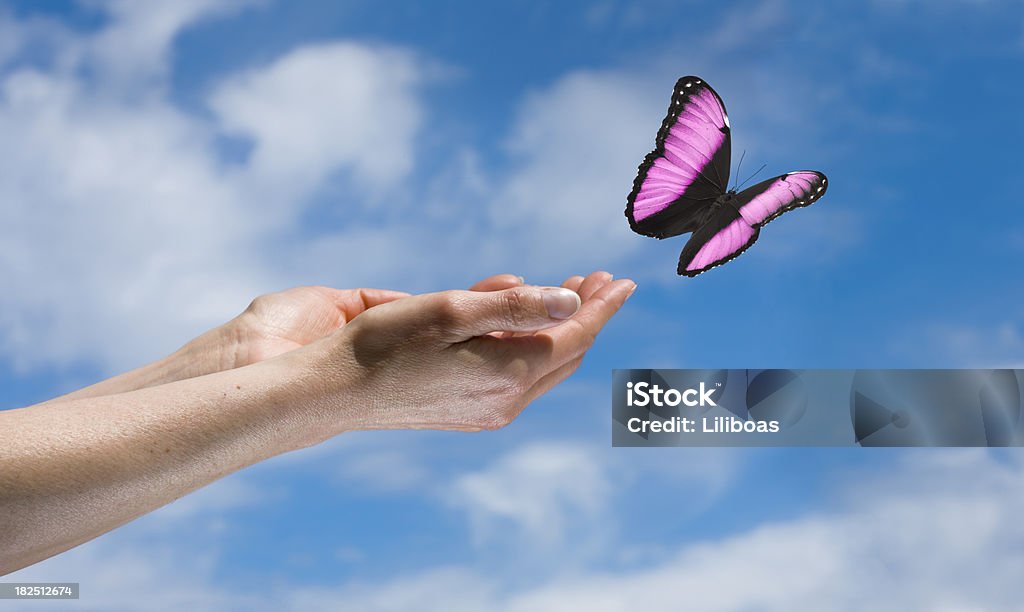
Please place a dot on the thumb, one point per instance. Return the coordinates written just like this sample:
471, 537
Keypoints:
519, 309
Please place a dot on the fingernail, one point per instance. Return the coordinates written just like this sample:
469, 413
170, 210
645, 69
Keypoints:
561, 303
631, 290
522, 281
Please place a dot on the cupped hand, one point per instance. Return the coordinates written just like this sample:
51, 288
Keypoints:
460, 360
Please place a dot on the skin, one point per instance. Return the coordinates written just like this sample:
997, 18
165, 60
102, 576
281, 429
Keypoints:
295, 369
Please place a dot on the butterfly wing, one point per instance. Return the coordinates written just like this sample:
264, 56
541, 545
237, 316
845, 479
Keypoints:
735, 226
689, 166
767, 200
721, 239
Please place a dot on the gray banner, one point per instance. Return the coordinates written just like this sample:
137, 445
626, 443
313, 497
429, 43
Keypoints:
817, 408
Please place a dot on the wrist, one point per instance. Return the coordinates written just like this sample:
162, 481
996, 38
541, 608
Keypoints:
217, 350
324, 380
309, 403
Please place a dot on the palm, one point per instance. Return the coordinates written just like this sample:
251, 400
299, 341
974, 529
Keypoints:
280, 322
290, 319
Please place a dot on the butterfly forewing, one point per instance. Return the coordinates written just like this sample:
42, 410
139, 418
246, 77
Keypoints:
768, 199
689, 166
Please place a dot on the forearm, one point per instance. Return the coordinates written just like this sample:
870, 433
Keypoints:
211, 352
85, 466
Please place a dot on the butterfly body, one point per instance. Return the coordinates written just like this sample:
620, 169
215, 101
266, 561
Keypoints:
727, 199
682, 185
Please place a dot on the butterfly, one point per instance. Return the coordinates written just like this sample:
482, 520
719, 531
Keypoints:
681, 185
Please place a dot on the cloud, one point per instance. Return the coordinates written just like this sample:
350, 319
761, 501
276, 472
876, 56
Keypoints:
539, 488
562, 495
320, 108
135, 45
575, 148
114, 218
126, 231
938, 530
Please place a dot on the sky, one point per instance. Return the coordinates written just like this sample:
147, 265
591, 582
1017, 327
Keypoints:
163, 163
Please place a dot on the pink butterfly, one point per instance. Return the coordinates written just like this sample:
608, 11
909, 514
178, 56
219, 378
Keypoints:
682, 185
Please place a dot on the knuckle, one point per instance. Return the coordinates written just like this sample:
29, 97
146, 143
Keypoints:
257, 303
520, 308
513, 306
447, 308
260, 306
516, 374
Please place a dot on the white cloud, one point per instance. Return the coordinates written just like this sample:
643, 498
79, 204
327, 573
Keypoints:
940, 530
124, 232
540, 488
320, 108
543, 497
115, 219
135, 46
575, 148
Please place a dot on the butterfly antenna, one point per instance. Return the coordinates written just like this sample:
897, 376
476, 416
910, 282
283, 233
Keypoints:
738, 166
751, 176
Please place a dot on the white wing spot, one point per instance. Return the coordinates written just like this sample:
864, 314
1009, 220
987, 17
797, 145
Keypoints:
726, 118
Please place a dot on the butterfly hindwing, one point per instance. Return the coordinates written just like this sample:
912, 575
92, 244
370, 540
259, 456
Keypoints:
689, 166
722, 238
734, 225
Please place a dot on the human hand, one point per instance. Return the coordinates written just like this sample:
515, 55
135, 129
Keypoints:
435, 361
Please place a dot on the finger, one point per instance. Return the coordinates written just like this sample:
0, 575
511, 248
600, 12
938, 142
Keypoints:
573, 337
573, 283
498, 282
593, 283
355, 301
467, 314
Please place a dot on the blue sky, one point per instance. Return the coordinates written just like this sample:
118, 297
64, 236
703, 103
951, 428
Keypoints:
164, 163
